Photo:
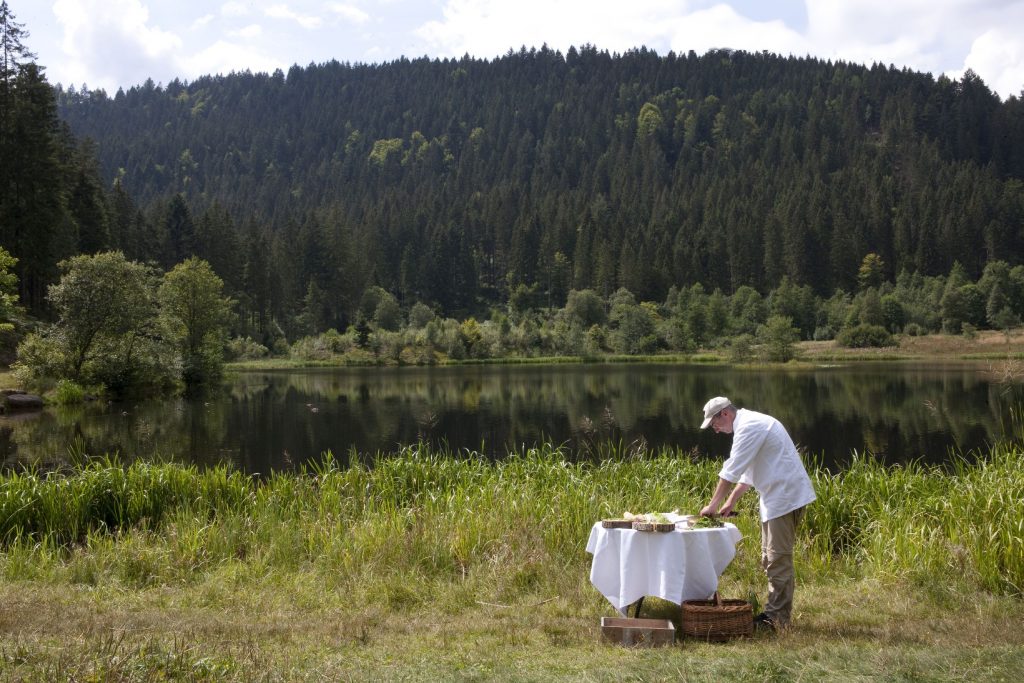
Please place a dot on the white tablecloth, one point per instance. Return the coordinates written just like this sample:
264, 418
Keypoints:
676, 565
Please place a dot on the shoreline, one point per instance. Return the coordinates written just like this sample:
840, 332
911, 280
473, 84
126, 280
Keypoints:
984, 346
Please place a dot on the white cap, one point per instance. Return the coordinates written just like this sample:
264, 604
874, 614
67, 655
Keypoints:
712, 408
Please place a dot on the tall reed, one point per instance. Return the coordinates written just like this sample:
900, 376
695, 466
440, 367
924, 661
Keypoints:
425, 515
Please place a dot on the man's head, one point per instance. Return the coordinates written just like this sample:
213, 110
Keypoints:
719, 414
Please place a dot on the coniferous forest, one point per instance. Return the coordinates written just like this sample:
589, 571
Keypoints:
477, 187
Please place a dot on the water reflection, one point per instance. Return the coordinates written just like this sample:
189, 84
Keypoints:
265, 421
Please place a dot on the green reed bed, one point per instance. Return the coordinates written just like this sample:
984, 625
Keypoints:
964, 522
439, 514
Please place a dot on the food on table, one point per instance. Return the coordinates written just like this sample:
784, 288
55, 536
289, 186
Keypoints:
653, 517
662, 521
653, 521
705, 523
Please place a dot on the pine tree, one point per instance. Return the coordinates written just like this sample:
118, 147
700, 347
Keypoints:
34, 220
179, 232
13, 55
87, 202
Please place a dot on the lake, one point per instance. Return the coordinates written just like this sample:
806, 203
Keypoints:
273, 420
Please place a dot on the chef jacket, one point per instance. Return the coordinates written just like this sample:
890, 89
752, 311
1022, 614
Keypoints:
763, 456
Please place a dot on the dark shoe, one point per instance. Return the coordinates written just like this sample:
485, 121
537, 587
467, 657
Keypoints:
763, 621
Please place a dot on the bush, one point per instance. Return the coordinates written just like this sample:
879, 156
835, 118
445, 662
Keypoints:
446, 335
40, 357
823, 333
587, 307
914, 330
417, 355
741, 349
420, 315
68, 393
325, 345
778, 335
596, 341
245, 348
865, 336
386, 345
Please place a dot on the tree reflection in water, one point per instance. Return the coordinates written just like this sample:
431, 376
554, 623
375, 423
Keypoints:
264, 421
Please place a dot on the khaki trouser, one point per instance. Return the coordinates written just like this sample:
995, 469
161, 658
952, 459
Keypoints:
777, 539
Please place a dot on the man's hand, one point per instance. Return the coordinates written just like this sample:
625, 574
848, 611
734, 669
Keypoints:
720, 495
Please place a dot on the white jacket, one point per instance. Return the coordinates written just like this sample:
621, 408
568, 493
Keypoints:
764, 457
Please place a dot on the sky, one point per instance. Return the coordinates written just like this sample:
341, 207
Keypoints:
120, 43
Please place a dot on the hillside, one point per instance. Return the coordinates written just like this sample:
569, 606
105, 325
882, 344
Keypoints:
454, 181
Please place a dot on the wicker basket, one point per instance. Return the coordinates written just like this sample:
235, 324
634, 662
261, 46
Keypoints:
617, 523
717, 619
653, 526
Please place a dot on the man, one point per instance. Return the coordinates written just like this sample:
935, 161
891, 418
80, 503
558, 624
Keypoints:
763, 457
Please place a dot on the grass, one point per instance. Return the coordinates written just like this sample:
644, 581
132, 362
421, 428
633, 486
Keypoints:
985, 345
434, 565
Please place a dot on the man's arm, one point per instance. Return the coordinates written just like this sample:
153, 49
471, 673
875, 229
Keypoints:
734, 498
715, 507
716, 500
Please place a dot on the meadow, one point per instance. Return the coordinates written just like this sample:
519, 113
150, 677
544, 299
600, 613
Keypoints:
427, 564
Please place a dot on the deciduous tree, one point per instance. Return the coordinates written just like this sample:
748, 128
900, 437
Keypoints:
195, 311
105, 332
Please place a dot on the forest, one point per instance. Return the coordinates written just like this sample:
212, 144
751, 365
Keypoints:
684, 197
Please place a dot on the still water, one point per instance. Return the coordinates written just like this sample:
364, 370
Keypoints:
274, 420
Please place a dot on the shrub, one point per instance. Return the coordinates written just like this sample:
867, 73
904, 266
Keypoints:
245, 348
587, 307
417, 355
420, 315
68, 392
865, 336
324, 345
823, 333
741, 349
778, 335
596, 340
386, 345
446, 335
40, 357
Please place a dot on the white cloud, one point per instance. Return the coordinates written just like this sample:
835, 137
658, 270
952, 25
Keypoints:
285, 12
904, 32
202, 21
721, 27
936, 37
486, 28
234, 9
349, 12
924, 35
250, 31
112, 41
999, 52
224, 57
